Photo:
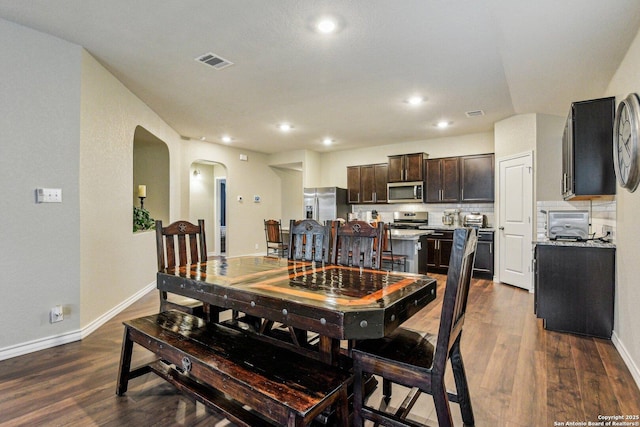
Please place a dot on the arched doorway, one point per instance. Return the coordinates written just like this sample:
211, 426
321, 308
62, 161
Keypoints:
207, 200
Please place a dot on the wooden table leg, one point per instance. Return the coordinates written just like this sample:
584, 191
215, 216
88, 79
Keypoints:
329, 350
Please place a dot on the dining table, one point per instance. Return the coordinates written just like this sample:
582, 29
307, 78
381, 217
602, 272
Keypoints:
337, 302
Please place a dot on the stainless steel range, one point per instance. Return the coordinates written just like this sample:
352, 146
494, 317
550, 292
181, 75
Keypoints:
410, 220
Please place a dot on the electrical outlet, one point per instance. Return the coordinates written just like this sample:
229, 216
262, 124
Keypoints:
610, 230
256, 246
56, 314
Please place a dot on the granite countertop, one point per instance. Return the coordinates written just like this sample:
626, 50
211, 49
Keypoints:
402, 234
583, 244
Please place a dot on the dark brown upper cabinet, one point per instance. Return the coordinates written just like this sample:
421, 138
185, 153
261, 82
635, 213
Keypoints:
406, 167
476, 178
367, 183
465, 179
442, 180
587, 154
353, 184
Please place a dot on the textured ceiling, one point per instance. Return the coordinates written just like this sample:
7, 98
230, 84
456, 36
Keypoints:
504, 57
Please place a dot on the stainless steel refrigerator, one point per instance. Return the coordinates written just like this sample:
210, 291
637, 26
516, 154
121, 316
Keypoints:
325, 203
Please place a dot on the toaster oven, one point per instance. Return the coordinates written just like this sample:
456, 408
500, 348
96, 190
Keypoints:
568, 225
475, 219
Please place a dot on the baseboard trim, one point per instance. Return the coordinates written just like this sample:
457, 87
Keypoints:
71, 336
91, 327
633, 368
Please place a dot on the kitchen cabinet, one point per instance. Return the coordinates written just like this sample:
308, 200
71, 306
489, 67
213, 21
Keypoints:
574, 288
587, 155
476, 178
353, 184
483, 265
367, 183
439, 245
442, 181
406, 167
465, 179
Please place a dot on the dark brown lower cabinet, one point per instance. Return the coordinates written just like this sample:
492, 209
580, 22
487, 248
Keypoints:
439, 245
574, 288
483, 265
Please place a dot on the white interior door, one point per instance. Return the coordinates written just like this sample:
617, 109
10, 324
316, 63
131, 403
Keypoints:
515, 229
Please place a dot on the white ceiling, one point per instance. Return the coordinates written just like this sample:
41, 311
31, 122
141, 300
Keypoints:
504, 57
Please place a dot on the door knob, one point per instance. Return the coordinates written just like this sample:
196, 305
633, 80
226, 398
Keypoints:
501, 228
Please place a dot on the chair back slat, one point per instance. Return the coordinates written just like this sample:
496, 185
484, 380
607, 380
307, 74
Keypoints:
171, 252
171, 244
273, 231
456, 293
358, 244
309, 240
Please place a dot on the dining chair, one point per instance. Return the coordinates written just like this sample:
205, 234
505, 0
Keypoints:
409, 357
357, 244
388, 257
275, 241
309, 240
180, 243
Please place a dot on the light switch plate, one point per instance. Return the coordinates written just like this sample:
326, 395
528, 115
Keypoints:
48, 195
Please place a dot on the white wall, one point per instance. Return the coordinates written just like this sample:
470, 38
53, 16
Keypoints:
245, 226
115, 263
292, 195
515, 135
627, 316
548, 156
39, 140
71, 125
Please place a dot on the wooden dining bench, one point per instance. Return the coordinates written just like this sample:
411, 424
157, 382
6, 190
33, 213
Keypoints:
226, 369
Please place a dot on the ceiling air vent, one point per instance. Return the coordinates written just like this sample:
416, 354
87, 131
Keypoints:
475, 113
214, 61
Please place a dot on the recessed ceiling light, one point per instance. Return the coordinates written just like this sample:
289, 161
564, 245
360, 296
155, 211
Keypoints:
443, 124
202, 138
285, 127
415, 100
327, 141
226, 139
327, 26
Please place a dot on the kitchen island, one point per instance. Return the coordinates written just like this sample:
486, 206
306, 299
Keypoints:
407, 242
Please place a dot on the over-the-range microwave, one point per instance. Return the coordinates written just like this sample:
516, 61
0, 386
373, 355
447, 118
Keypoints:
404, 192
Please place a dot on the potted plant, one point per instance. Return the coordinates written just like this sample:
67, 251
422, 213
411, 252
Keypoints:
142, 220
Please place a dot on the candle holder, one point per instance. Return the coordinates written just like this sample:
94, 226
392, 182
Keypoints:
141, 202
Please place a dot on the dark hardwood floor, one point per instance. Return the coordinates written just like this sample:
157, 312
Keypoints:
519, 374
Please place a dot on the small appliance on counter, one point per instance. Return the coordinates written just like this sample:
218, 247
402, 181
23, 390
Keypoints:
475, 219
451, 217
410, 220
572, 225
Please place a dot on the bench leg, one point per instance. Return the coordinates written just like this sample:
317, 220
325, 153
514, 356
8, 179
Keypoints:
125, 363
342, 408
358, 393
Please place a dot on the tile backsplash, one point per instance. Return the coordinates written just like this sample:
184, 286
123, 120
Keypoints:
602, 214
435, 210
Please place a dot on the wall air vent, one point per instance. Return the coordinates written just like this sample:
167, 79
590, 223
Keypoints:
214, 61
475, 113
